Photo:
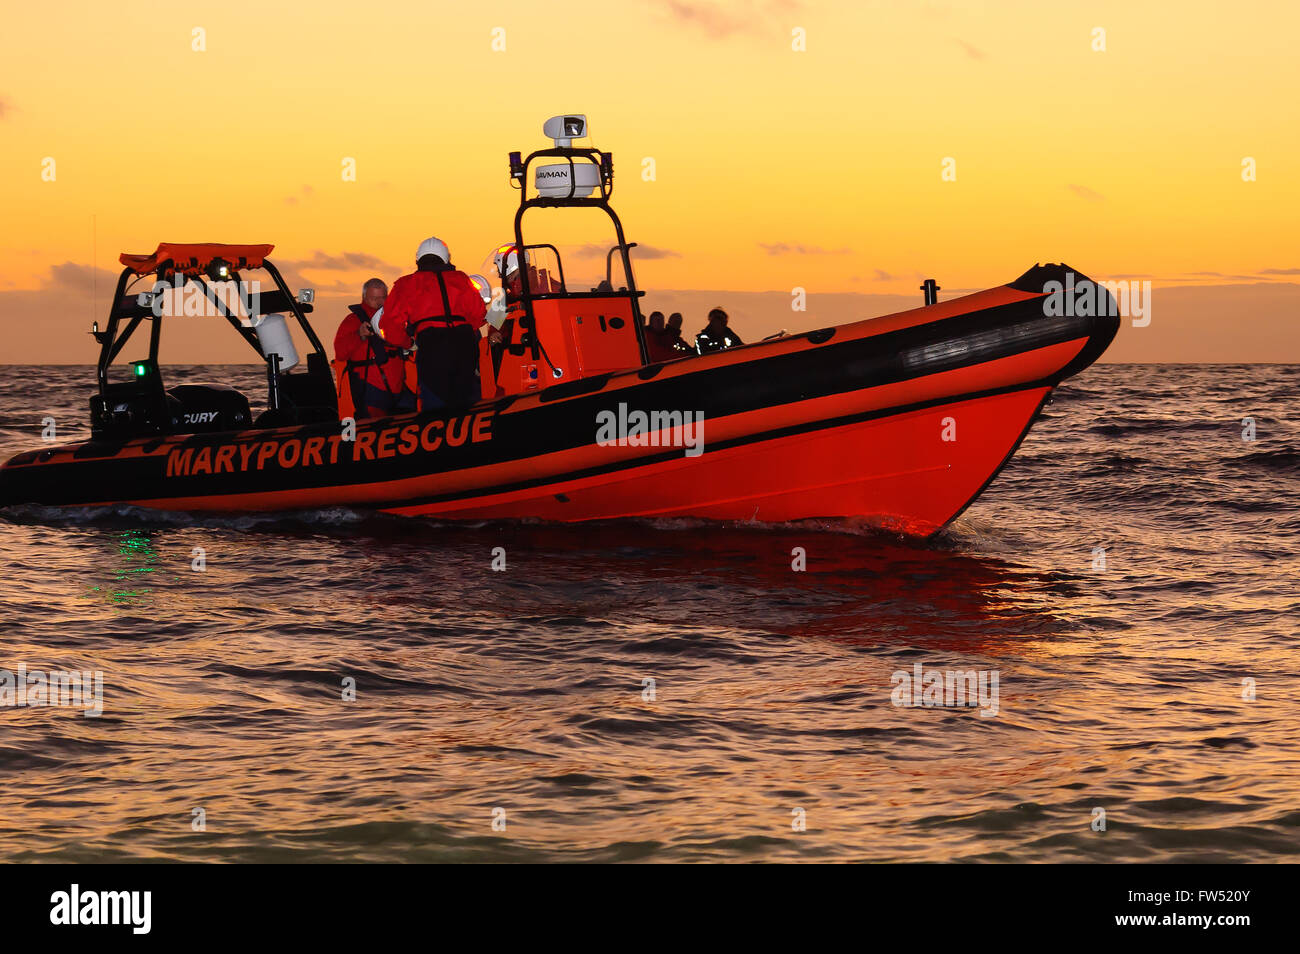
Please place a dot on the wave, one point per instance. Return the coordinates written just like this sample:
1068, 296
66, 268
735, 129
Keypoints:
126, 516
1283, 459
1121, 427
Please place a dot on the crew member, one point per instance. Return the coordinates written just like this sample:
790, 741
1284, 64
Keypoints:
438, 309
656, 339
716, 335
673, 334
505, 308
373, 371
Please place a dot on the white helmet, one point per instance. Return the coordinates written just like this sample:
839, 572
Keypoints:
482, 286
433, 246
511, 256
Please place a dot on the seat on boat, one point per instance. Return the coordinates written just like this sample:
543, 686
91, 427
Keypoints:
305, 398
131, 408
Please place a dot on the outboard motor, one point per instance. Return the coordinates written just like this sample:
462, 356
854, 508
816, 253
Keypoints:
203, 408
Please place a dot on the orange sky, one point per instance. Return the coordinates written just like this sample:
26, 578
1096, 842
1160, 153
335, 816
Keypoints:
775, 168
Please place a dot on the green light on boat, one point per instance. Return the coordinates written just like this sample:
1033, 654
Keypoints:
141, 368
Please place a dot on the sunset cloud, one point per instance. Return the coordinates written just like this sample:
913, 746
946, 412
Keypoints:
783, 248
80, 279
717, 22
304, 193
342, 262
1084, 192
647, 252
652, 251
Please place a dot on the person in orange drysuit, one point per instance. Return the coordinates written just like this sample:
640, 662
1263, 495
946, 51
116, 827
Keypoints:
374, 372
438, 310
659, 344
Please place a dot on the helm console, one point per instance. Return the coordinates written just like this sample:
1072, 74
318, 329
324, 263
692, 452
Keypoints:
197, 281
557, 330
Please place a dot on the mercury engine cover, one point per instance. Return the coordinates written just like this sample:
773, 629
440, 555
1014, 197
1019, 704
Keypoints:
200, 408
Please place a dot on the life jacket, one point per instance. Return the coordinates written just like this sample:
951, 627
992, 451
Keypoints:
659, 344
448, 318
377, 356
420, 301
707, 343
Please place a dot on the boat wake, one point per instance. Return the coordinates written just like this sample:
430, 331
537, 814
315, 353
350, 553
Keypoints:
958, 537
126, 516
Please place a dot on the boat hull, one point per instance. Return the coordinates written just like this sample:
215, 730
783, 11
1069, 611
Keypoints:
836, 471
901, 420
